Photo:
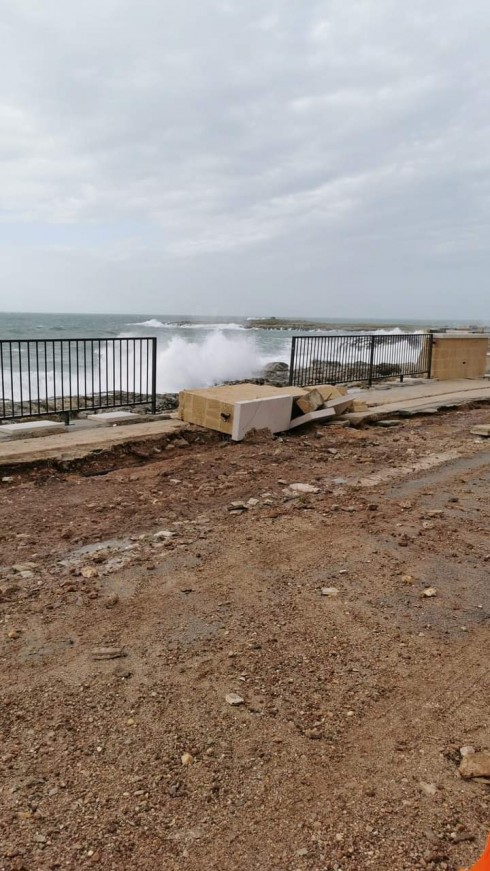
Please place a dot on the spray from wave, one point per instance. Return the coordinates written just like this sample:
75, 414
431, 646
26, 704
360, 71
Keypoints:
215, 359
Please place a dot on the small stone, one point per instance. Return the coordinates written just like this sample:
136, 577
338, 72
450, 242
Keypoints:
253, 502
24, 567
13, 634
304, 488
186, 759
111, 600
7, 479
407, 579
313, 734
430, 592
238, 506
108, 652
89, 572
475, 765
330, 591
428, 789
302, 852
234, 699
163, 533
482, 430
467, 750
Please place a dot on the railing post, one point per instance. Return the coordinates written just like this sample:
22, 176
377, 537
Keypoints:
154, 375
371, 361
429, 362
292, 360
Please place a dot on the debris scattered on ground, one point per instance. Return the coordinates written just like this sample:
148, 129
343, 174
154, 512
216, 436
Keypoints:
348, 737
108, 652
234, 699
482, 430
475, 765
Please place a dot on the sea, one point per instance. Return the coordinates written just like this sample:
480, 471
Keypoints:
196, 351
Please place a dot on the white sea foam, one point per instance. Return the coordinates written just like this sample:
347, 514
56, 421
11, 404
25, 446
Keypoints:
215, 359
152, 324
155, 324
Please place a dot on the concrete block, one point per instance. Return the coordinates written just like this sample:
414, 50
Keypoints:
114, 418
214, 407
359, 405
328, 391
311, 401
319, 416
31, 429
272, 413
341, 404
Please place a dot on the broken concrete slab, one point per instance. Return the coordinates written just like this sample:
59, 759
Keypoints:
418, 399
340, 405
311, 401
76, 444
358, 405
272, 413
114, 418
31, 429
329, 391
318, 416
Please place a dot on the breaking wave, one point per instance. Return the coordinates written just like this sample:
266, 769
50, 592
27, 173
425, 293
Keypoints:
155, 324
215, 359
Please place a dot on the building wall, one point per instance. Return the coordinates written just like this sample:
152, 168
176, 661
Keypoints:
459, 357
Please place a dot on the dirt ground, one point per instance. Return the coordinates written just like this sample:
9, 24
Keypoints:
134, 601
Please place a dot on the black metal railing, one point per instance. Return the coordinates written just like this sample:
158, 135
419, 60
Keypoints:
347, 358
41, 377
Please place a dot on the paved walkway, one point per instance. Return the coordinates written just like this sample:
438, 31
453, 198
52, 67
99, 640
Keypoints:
384, 401
82, 441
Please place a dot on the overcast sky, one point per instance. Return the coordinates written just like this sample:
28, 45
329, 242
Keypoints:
301, 157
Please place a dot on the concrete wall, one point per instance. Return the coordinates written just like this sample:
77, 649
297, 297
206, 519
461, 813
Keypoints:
459, 357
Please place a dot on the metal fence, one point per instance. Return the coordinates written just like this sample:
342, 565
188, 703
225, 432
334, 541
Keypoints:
41, 377
347, 358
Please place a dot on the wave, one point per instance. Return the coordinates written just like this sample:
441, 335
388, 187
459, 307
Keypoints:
155, 324
217, 358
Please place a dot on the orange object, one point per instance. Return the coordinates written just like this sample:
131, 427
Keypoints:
483, 864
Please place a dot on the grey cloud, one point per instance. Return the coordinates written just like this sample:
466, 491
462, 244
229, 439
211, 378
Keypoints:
247, 154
